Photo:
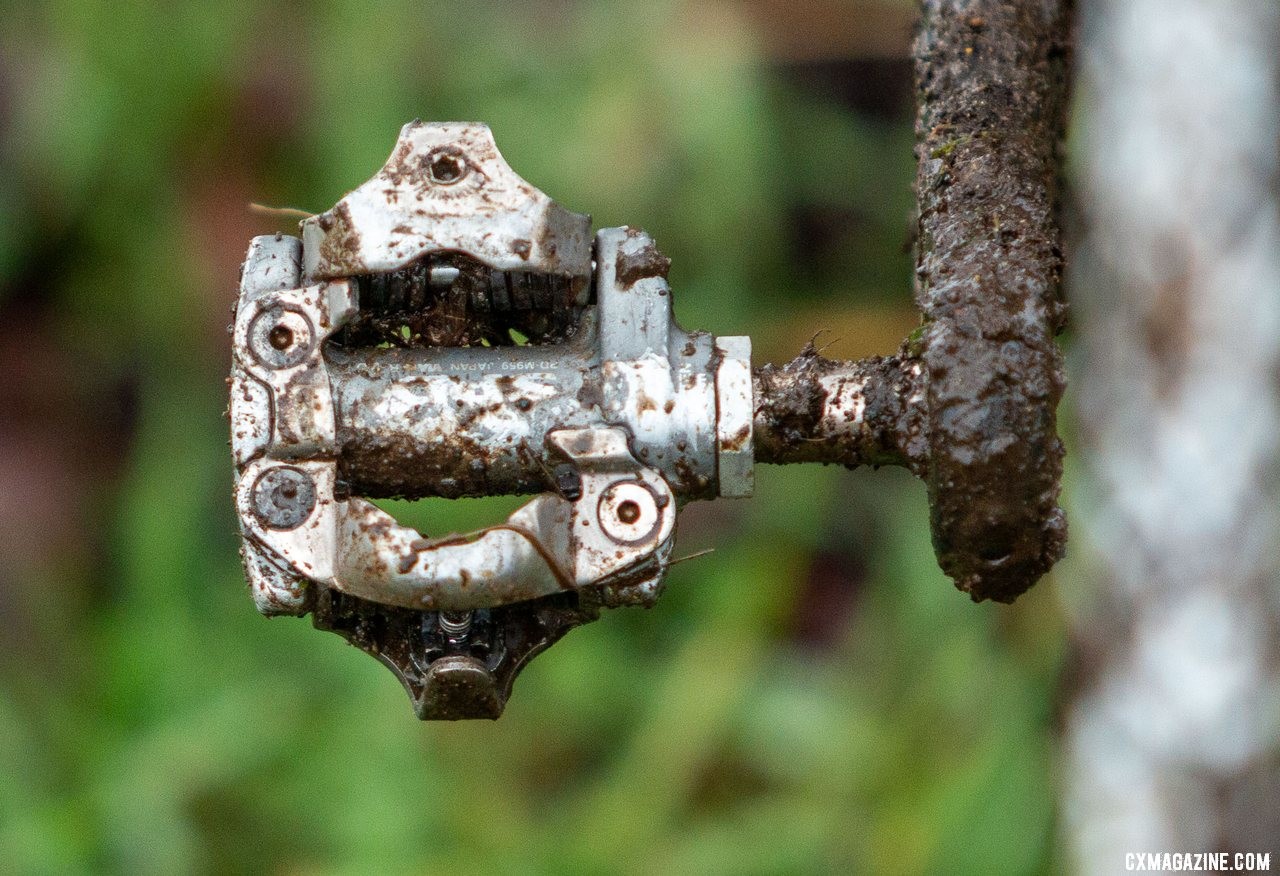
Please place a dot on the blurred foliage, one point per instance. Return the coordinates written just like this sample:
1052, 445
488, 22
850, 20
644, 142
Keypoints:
812, 697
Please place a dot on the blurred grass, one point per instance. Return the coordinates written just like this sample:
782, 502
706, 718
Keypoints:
150, 721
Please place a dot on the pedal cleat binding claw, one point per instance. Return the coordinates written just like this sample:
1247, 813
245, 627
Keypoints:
448, 330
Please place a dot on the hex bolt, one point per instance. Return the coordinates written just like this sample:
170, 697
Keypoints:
283, 498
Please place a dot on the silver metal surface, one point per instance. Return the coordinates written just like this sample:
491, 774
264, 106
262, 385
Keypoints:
670, 409
446, 188
544, 547
735, 413
473, 421
614, 422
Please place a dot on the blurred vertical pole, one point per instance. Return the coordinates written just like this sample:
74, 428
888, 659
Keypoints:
1173, 736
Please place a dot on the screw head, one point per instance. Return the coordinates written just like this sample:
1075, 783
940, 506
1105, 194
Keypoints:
446, 165
629, 513
280, 337
283, 497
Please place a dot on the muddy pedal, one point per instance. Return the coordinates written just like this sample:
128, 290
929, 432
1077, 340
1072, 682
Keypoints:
448, 330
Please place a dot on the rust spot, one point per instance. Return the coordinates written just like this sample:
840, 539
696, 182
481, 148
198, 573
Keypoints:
737, 439
340, 247
648, 262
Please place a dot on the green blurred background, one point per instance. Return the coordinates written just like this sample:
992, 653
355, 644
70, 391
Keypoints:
814, 696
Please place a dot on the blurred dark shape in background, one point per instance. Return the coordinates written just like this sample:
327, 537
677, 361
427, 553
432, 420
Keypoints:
813, 696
